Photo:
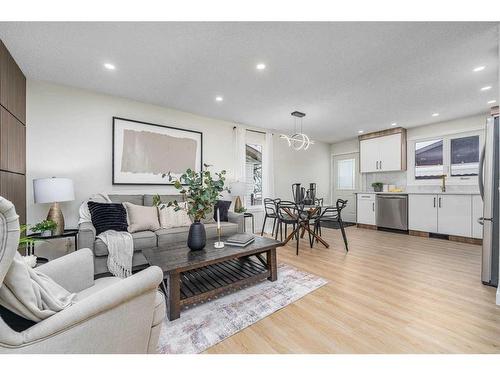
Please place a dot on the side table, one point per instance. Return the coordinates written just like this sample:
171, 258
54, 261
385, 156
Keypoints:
30, 248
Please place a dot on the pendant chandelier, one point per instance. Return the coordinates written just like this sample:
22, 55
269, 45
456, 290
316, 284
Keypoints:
298, 140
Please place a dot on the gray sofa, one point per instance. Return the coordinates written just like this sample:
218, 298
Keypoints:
146, 239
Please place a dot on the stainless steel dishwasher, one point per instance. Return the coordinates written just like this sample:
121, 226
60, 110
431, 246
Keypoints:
392, 211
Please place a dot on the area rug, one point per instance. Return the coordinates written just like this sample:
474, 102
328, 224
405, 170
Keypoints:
205, 325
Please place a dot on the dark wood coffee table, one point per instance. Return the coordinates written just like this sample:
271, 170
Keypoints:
194, 276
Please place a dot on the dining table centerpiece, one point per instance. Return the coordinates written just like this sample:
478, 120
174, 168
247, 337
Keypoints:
200, 191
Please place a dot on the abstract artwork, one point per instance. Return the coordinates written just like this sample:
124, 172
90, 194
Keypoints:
143, 152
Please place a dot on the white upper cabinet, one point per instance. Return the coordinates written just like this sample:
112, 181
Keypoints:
390, 152
383, 153
367, 149
454, 215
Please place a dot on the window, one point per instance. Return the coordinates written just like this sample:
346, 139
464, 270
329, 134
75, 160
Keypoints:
253, 196
465, 156
429, 159
346, 170
455, 155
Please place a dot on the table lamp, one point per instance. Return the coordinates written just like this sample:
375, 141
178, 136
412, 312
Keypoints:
238, 189
54, 190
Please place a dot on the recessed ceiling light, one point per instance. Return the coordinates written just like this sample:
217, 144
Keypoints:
360, 131
485, 88
478, 68
394, 124
261, 66
435, 114
109, 66
219, 98
491, 101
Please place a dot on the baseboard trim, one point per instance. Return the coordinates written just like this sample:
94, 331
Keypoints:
418, 233
470, 240
474, 241
366, 226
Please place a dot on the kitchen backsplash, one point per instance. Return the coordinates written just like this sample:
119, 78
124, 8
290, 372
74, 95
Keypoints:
399, 179
437, 189
392, 178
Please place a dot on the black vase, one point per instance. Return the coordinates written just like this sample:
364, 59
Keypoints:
197, 237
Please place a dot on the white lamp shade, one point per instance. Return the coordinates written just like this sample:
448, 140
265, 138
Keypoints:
54, 189
238, 189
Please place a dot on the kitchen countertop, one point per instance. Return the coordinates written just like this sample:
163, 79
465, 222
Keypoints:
421, 192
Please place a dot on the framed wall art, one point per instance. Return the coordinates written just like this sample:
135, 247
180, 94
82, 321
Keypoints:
142, 152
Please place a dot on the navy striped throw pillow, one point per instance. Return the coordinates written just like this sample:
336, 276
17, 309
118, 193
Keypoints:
108, 216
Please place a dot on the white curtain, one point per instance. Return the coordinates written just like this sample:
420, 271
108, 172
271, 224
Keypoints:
268, 167
268, 173
239, 153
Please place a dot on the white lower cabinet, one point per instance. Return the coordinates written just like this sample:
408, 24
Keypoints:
422, 212
454, 215
366, 209
449, 214
477, 212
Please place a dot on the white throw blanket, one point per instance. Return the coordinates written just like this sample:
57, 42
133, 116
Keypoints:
84, 208
31, 294
121, 250
120, 244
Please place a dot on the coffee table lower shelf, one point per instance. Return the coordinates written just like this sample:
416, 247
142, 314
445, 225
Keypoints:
191, 277
202, 283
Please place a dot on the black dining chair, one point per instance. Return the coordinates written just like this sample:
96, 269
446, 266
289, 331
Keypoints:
318, 201
270, 210
332, 214
313, 220
290, 213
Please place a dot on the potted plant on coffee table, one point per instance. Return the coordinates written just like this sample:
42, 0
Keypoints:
200, 191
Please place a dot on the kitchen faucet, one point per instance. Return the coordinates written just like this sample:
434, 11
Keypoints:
443, 183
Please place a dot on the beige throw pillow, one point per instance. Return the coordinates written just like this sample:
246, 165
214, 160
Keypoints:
141, 217
169, 218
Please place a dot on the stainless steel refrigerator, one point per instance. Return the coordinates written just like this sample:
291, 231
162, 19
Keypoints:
489, 164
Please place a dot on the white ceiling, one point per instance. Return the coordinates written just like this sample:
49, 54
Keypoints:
344, 76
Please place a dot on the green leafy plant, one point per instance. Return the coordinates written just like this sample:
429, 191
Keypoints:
24, 240
377, 186
156, 200
44, 226
240, 210
199, 189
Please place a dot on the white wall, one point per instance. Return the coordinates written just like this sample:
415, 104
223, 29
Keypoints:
460, 125
69, 134
292, 166
345, 147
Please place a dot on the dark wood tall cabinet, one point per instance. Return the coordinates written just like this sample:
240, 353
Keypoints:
12, 132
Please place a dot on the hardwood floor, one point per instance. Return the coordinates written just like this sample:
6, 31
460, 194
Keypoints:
392, 293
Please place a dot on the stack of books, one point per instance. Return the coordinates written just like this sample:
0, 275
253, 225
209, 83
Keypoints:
240, 239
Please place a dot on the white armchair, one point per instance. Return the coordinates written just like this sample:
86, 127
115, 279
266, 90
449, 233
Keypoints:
110, 315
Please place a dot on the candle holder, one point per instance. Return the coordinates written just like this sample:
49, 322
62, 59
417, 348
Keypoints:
219, 244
